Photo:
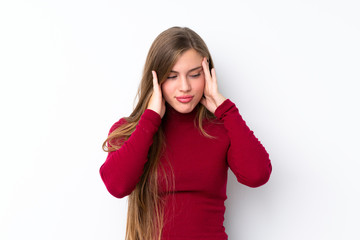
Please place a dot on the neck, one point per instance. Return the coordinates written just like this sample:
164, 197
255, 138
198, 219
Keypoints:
173, 115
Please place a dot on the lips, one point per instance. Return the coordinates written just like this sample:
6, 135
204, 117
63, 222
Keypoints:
185, 99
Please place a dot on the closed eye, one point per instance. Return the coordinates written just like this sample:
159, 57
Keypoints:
196, 75
191, 75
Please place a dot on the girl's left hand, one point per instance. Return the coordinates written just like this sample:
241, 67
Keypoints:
212, 98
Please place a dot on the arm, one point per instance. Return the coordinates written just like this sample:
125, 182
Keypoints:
123, 168
247, 157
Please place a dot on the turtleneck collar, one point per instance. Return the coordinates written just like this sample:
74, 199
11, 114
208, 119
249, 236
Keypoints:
173, 115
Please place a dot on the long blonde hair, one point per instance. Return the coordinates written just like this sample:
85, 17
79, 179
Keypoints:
145, 205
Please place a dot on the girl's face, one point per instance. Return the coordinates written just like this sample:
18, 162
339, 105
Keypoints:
184, 87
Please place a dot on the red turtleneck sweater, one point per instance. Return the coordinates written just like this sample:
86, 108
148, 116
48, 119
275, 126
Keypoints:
195, 208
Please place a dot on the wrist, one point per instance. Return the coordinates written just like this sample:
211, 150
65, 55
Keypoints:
219, 100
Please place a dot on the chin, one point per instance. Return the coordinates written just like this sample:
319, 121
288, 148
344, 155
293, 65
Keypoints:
184, 108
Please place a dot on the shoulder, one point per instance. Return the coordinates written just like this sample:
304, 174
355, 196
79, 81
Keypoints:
117, 124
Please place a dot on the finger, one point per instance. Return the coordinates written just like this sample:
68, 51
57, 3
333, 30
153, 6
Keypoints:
155, 80
205, 64
206, 68
213, 74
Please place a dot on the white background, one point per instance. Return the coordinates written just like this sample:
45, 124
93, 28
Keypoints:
69, 69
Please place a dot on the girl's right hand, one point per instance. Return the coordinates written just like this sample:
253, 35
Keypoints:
157, 102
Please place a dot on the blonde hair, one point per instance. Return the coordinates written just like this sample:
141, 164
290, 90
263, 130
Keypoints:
145, 205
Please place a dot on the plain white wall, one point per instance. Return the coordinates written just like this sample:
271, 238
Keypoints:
69, 69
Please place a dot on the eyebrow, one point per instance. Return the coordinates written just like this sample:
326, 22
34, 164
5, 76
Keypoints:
189, 70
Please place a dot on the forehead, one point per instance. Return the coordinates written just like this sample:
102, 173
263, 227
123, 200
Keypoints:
188, 60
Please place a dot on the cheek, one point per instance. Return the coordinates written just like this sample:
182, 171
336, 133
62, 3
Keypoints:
166, 90
199, 86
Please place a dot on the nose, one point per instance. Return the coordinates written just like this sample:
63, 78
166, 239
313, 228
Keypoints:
185, 85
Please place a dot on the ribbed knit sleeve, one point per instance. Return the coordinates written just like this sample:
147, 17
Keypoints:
246, 157
123, 168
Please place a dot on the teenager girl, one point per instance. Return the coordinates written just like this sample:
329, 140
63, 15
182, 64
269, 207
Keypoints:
172, 154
